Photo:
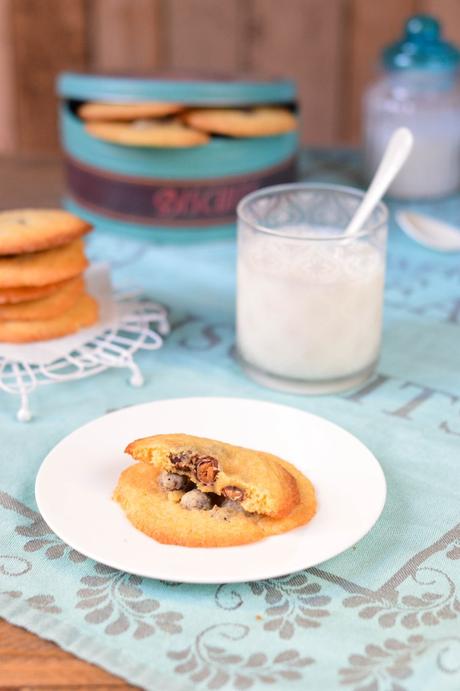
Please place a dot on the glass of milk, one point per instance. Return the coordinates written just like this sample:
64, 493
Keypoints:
309, 299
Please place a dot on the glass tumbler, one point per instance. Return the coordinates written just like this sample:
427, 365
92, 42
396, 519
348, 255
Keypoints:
309, 298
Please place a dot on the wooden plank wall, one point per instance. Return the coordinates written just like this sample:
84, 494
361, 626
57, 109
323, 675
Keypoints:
329, 46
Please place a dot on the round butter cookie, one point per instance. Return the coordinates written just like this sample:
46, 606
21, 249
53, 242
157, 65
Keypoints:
234, 122
47, 307
84, 312
11, 296
161, 514
43, 268
30, 230
148, 133
127, 111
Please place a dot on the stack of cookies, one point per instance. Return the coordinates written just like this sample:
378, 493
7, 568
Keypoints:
42, 290
155, 124
199, 492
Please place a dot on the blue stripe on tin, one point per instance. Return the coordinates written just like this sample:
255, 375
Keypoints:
220, 157
193, 92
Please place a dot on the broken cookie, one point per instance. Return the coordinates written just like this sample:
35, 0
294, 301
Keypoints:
200, 492
254, 478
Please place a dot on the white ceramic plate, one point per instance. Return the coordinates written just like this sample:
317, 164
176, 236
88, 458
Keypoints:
75, 483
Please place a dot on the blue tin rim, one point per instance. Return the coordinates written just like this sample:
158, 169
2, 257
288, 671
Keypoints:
202, 91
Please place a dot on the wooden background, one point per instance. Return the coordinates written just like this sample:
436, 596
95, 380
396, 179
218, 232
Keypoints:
329, 46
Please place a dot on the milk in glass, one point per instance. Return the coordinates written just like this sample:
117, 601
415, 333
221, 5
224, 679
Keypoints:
309, 305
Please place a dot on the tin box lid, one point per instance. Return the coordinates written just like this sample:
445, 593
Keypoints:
422, 47
187, 88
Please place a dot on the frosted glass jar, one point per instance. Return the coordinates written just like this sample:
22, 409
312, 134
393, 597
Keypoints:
418, 88
429, 105
309, 299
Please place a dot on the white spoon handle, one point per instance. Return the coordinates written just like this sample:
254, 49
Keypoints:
396, 153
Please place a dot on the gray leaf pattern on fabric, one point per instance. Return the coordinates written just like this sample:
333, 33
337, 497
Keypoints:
209, 660
45, 603
454, 553
427, 598
292, 601
42, 537
384, 667
14, 566
117, 600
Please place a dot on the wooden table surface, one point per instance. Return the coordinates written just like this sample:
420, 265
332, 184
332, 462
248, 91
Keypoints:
30, 181
27, 661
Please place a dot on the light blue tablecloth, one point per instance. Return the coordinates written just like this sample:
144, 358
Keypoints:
383, 616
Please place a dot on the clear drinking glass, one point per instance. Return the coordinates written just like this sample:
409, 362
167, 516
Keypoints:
309, 299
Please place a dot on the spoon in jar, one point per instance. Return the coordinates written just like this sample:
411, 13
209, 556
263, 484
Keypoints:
430, 232
393, 159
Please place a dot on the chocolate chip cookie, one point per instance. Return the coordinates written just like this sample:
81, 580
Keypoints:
46, 307
13, 295
199, 492
43, 268
255, 479
30, 230
192, 518
83, 313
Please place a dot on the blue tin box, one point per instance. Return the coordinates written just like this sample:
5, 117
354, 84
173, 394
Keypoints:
170, 194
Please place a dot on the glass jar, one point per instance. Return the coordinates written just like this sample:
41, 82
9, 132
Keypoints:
309, 298
419, 88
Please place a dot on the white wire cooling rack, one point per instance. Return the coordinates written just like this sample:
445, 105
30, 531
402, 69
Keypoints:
141, 325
